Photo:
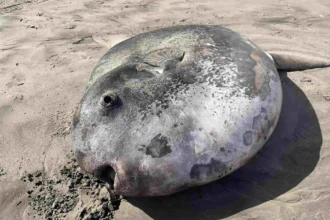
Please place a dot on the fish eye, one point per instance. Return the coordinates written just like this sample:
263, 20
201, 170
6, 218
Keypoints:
109, 99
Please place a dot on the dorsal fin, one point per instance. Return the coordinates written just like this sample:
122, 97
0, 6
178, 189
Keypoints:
160, 57
290, 61
158, 61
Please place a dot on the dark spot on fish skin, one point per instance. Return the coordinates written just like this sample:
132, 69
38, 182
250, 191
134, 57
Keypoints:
159, 113
222, 149
200, 129
175, 125
247, 138
158, 147
257, 123
198, 171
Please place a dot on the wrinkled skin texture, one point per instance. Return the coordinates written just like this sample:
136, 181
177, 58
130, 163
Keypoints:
176, 108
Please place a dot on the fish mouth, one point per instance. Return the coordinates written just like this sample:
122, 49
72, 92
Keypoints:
107, 174
103, 172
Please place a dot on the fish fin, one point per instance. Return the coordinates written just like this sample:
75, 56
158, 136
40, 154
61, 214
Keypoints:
162, 57
145, 67
291, 61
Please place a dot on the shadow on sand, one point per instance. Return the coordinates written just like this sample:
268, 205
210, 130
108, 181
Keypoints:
289, 156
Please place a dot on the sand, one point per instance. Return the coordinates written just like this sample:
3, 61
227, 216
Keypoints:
49, 48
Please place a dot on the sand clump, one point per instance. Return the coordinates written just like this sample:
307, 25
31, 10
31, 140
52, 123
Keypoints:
71, 194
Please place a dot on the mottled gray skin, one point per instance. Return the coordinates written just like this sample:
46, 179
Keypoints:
176, 108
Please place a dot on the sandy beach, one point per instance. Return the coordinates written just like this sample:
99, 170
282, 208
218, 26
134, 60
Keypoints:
48, 50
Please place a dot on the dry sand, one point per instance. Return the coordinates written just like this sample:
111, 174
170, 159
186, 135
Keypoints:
48, 49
